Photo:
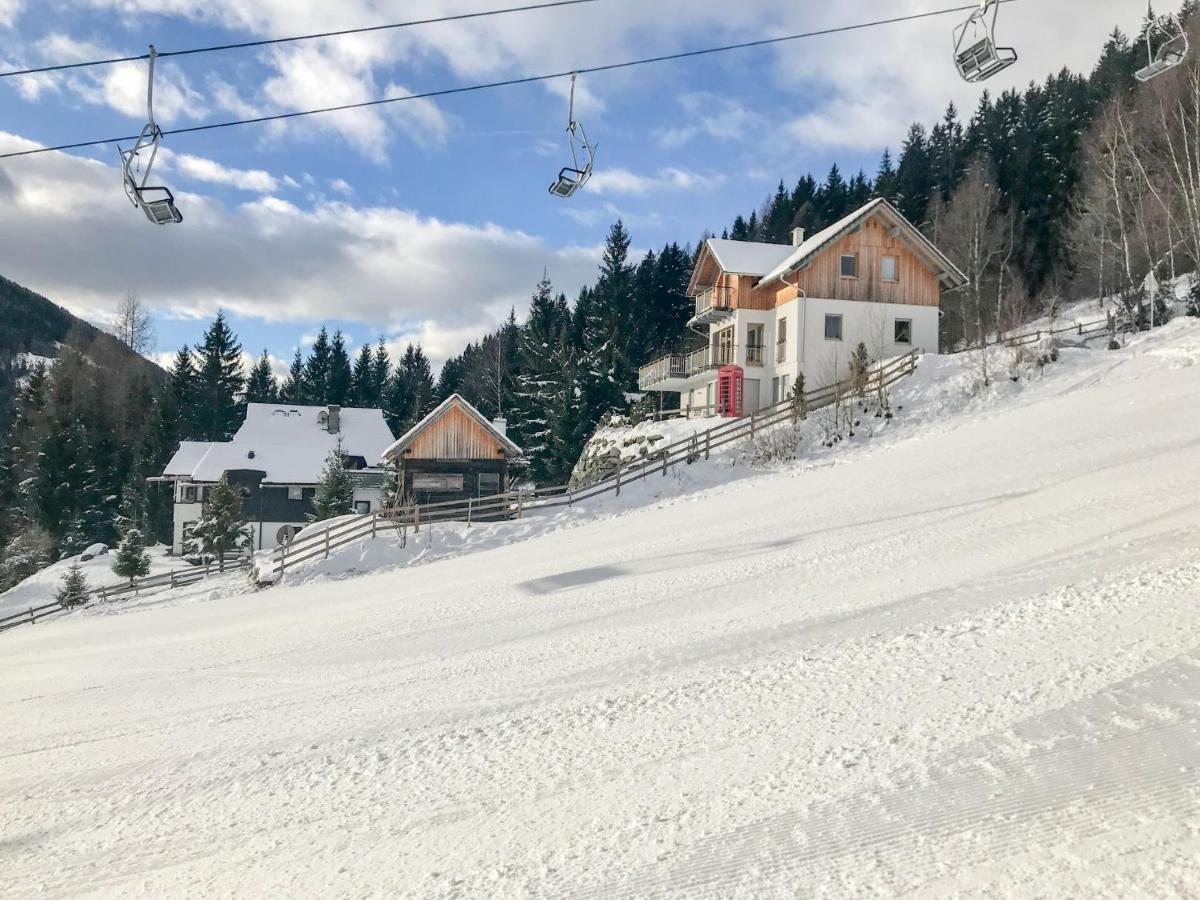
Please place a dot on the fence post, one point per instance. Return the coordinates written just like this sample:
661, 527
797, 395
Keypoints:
618, 479
707, 443
32, 617
374, 525
470, 508
327, 543
282, 559
570, 497
416, 518
664, 464
751, 426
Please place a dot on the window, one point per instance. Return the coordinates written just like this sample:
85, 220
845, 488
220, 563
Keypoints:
295, 492
189, 493
849, 266
437, 483
903, 331
723, 345
833, 327
889, 268
755, 338
781, 342
489, 483
362, 507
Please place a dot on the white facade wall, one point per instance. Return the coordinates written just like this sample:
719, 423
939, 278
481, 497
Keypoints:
806, 349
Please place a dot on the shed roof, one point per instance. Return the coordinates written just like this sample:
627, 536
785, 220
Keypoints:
454, 400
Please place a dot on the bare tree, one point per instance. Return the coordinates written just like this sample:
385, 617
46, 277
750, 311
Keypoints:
133, 326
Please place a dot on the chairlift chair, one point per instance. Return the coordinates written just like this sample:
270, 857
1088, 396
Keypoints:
1172, 49
574, 176
975, 52
156, 201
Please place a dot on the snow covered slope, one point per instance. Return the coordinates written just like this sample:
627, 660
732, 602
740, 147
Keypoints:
964, 660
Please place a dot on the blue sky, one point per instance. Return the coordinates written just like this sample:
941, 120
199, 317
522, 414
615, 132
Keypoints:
428, 220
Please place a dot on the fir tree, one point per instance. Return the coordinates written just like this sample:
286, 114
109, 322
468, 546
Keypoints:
74, 590
381, 367
26, 553
543, 386
222, 527
132, 559
361, 381
219, 383
340, 375
184, 387
292, 390
317, 370
335, 492
260, 386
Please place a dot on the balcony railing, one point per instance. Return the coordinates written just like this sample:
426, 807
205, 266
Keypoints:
714, 300
755, 355
780, 351
681, 366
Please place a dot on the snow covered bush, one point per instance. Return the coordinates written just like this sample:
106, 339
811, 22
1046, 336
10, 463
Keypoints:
1192, 308
769, 446
74, 590
132, 559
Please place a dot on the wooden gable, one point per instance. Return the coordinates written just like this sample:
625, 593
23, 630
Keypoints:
916, 283
455, 434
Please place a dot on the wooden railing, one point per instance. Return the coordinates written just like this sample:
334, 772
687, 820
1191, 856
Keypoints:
406, 520
134, 587
1085, 330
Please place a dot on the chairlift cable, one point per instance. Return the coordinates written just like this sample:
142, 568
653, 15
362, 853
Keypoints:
510, 82
267, 42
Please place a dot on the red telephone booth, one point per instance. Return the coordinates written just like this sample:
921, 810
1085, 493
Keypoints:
731, 389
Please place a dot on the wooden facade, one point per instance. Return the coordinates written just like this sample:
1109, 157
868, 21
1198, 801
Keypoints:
452, 454
881, 234
916, 282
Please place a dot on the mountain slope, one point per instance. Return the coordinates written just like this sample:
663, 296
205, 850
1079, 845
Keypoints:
32, 324
963, 661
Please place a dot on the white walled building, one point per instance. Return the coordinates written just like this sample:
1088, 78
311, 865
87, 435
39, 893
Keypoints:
776, 310
276, 458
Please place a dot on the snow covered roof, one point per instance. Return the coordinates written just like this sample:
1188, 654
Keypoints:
748, 257
458, 400
288, 444
797, 256
183, 463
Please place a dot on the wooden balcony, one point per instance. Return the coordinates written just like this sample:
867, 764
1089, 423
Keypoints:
712, 305
681, 371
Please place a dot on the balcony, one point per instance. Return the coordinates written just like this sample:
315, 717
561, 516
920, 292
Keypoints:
712, 305
755, 356
681, 371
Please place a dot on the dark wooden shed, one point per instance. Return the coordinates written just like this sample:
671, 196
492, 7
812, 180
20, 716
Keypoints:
454, 453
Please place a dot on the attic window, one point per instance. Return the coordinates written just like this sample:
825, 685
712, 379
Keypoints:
849, 265
889, 268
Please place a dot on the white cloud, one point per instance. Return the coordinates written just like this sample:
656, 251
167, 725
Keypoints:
622, 181
8, 11
714, 116
397, 272
212, 172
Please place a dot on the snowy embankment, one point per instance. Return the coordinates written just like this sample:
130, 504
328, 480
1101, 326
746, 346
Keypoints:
959, 657
40, 588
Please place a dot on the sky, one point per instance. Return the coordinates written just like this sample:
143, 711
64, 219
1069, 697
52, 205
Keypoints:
428, 220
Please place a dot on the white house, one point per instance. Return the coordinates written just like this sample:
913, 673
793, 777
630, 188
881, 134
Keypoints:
276, 459
776, 310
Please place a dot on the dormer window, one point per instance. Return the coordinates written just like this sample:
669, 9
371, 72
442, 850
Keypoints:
849, 265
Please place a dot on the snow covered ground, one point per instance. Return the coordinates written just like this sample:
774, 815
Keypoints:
40, 588
957, 655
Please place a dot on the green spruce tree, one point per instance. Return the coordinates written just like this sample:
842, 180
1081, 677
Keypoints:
222, 526
132, 560
74, 590
335, 492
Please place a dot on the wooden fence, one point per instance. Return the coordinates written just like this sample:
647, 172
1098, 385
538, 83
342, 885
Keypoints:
133, 587
1085, 330
514, 504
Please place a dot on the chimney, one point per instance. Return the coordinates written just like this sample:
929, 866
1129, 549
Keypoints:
797, 237
334, 422
501, 425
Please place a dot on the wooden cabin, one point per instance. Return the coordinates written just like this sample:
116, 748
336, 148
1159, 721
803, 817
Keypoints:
453, 454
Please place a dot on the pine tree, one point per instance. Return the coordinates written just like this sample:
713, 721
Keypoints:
885, 178
381, 367
293, 390
860, 366
28, 552
335, 492
317, 370
132, 559
260, 386
361, 381
74, 590
340, 375
222, 527
543, 386
219, 383
184, 387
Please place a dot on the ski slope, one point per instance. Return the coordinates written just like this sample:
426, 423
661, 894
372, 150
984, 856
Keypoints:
959, 660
